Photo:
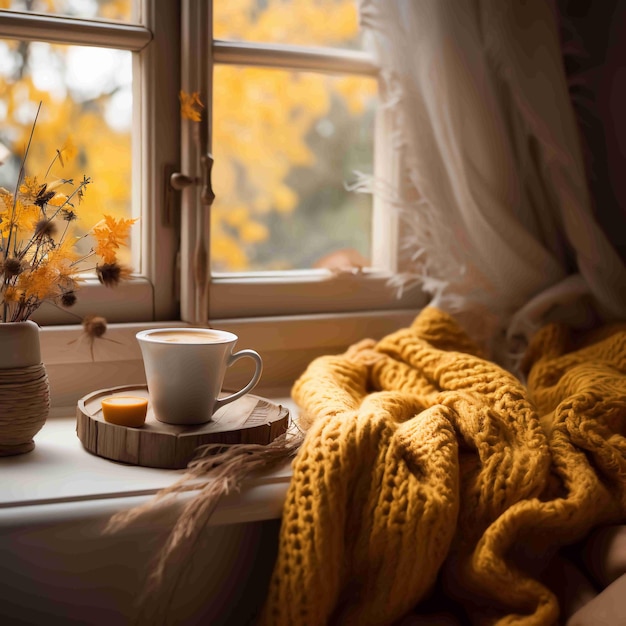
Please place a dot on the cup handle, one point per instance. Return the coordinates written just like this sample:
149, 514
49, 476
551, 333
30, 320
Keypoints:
220, 402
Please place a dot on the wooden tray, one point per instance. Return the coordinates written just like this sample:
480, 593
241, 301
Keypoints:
249, 419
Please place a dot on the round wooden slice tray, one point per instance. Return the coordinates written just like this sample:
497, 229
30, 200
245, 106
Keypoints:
249, 419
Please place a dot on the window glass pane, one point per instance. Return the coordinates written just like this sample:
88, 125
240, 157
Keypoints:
285, 145
300, 22
120, 10
86, 110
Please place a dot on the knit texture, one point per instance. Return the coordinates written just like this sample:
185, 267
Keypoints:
426, 462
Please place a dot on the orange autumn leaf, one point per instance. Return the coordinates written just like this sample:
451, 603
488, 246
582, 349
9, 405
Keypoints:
30, 188
11, 294
110, 234
190, 105
40, 283
17, 215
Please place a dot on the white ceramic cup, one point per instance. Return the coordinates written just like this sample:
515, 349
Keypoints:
185, 370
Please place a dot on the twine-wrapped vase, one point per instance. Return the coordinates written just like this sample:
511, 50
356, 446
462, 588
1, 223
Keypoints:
24, 390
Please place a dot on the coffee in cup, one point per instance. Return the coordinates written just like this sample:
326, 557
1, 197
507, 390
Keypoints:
185, 370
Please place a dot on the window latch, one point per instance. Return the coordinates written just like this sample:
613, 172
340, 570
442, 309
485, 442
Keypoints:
180, 181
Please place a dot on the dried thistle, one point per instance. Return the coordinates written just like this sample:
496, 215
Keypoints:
43, 197
94, 328
45, 228
110, 274
68, 298
68, 215
11, 267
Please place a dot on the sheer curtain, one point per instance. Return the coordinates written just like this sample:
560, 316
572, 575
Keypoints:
496, 199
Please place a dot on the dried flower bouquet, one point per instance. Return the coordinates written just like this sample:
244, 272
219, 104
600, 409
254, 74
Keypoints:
39, 259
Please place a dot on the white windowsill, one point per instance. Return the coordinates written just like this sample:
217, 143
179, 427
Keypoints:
59, 480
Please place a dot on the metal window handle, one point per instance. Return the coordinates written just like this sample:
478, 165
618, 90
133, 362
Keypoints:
180, 181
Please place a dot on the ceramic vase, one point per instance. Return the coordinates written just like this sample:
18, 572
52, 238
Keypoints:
24, 389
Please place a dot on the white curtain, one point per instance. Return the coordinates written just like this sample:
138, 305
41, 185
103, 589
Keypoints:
502, 232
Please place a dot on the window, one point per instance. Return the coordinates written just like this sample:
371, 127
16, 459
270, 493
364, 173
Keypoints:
290, 120
106, 86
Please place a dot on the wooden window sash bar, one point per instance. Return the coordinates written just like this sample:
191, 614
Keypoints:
294, 58
69, 30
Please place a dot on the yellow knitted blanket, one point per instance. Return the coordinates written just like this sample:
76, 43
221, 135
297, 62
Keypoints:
425, 461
